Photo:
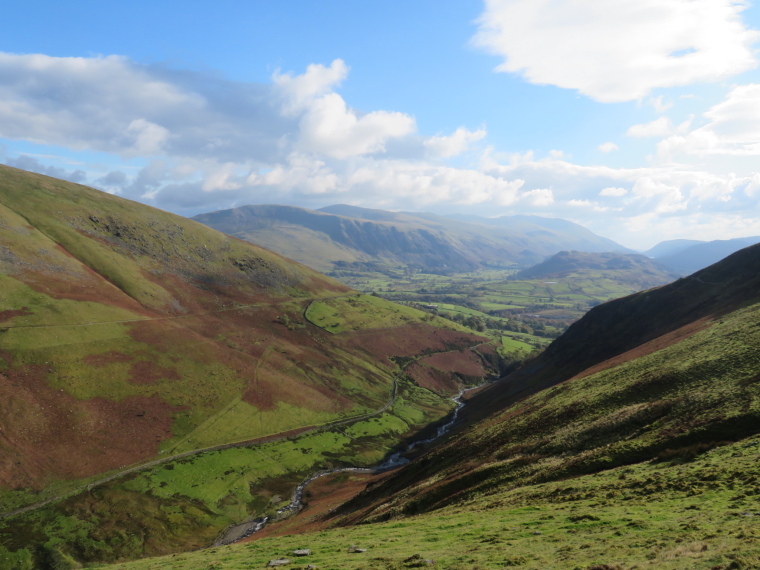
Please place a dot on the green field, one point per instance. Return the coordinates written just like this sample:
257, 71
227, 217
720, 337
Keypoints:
491, 302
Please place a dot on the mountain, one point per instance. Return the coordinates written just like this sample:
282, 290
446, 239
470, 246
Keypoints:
670, 247
345, 237
634, 270
631, 442
699, 255
136, 344
537, 225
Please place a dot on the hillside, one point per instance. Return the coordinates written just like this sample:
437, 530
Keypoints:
636, 271
670, 247
647, 460
347, 237
662, 369
132, 337
699, 255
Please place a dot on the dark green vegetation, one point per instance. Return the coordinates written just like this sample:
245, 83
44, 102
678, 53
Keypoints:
131, 337
346, 239
631, 442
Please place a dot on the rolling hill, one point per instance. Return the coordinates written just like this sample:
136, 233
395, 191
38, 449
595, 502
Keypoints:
636, 271
631, 442
346, 237
131, 340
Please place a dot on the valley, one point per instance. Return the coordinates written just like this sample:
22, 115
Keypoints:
166, 386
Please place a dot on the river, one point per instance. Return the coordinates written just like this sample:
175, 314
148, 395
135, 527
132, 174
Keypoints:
395, 460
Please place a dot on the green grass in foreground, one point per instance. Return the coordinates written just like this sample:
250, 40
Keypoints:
184, 504
701, 514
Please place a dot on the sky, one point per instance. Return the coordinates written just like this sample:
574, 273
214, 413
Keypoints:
639, 119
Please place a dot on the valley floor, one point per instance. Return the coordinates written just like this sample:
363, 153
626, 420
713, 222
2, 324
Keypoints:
700, 514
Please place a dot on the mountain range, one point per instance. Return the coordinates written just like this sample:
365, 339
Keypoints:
687, 256
346, 237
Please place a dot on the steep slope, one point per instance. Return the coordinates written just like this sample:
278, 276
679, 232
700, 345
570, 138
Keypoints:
633, 270
130, 335
700, 255
685, 380
347, 236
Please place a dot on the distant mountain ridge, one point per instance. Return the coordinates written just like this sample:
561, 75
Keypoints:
343, 236
633, 269
688, 256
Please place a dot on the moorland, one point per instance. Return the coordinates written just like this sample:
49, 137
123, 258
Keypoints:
162, 382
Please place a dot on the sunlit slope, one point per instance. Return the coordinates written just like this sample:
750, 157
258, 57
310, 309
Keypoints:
128, 333
346, 237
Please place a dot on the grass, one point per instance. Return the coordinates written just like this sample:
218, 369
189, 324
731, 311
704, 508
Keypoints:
184, 504
647, 515
362, 312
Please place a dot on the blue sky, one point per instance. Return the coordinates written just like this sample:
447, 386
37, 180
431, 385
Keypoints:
639, 119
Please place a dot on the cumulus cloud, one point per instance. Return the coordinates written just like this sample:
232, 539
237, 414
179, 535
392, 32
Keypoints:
608, 147
300, 90
31, 164
733, 128
454, 144
619, 50
191, 142
329, 127
613, 191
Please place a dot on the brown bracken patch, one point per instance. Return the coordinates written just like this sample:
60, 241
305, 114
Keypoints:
147, 372
47, 434
463, 362
433, 379
106, 358
8, 315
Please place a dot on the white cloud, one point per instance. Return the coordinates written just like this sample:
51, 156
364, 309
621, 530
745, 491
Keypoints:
299, 90
608, 146
329, 127
149, 138
613, 191
539, 197
734, 128
660, 127
454, 144
618, 50
211, 144
659, 104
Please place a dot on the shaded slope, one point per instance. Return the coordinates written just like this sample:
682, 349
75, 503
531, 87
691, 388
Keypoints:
347, 236
666, 401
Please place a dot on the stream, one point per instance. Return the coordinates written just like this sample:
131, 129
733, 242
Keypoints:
395, 460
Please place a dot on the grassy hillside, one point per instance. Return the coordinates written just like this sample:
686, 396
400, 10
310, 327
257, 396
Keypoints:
347, 238
649, 460
129, 335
